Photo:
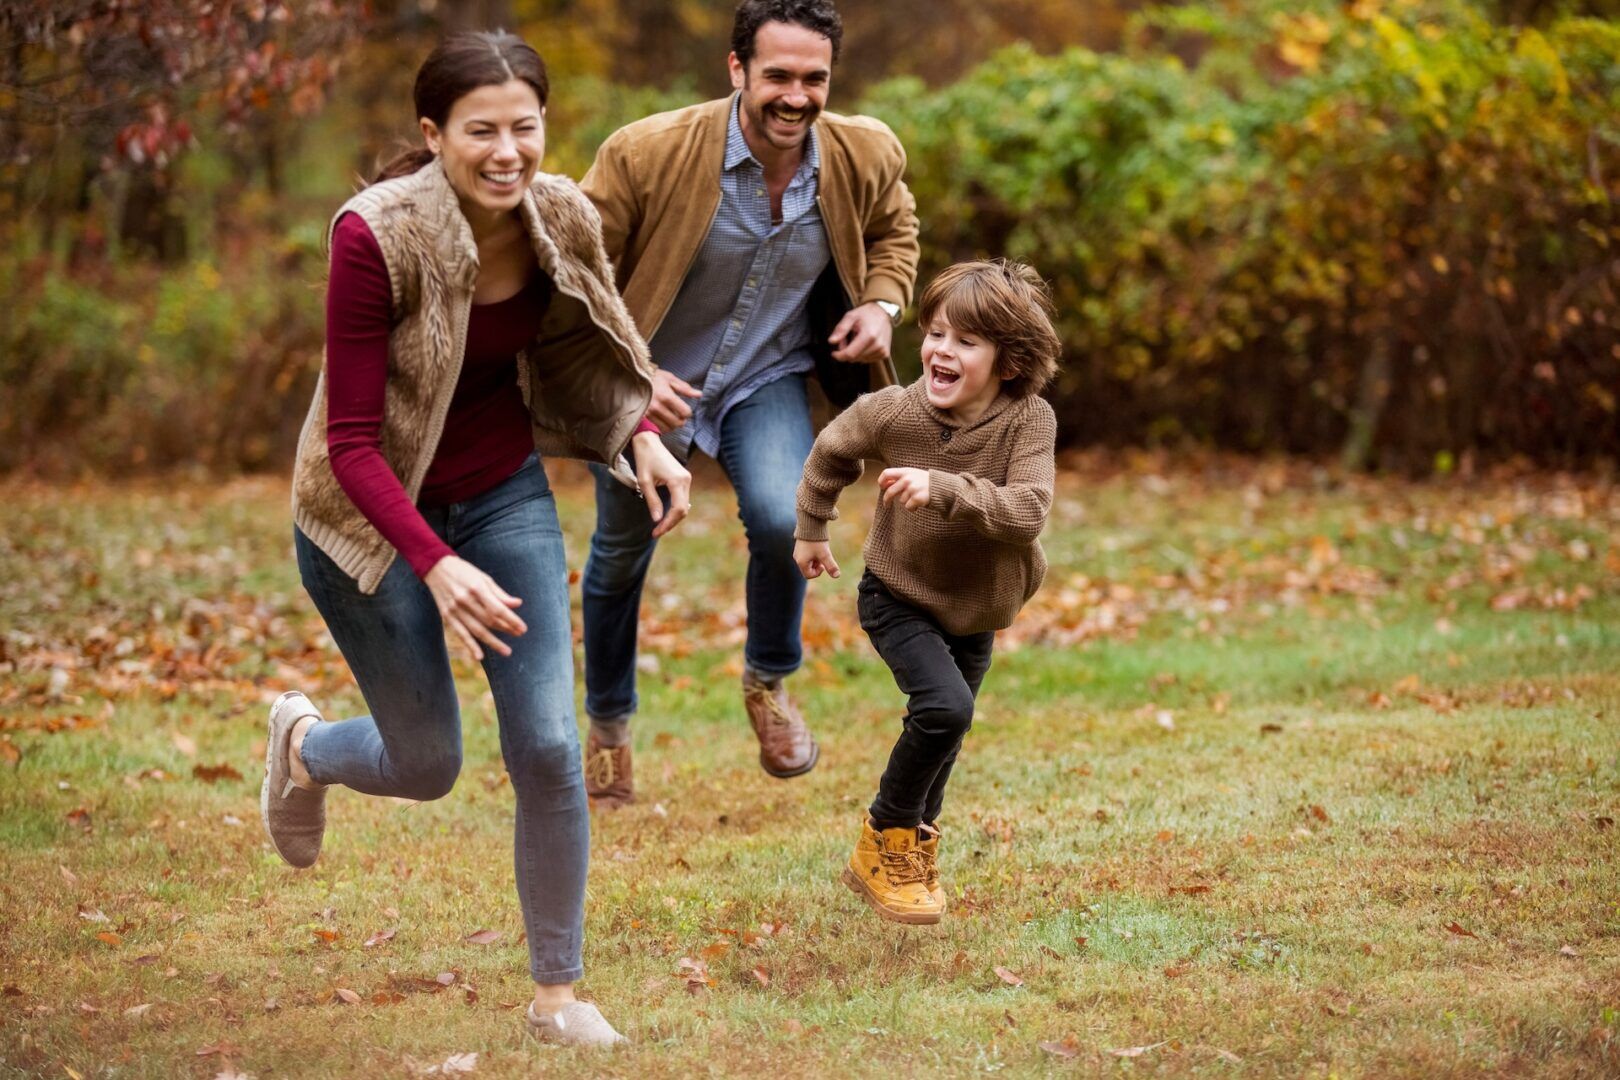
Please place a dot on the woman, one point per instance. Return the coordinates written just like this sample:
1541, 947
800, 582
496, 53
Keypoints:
425, 441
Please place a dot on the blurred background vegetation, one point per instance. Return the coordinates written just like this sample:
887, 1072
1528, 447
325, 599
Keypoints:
1379, 231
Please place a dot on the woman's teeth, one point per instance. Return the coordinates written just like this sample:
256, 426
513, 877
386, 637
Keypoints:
503, 177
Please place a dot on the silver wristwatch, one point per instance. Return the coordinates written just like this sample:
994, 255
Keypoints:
890, 308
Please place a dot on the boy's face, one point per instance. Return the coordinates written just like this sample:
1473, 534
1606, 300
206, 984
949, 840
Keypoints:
959, 370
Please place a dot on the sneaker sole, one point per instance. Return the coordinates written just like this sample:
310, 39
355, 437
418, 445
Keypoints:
264, 787
815, 756
909, 918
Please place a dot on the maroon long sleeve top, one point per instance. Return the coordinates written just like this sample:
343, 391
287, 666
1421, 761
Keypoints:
486, 432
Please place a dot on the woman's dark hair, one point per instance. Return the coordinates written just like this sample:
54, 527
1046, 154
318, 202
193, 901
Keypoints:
461, 64
817, 15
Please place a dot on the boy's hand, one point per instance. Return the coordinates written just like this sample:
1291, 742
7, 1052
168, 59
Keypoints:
910, 486
814, 556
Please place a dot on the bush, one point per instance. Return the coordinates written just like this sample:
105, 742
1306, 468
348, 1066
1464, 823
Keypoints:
1387, 230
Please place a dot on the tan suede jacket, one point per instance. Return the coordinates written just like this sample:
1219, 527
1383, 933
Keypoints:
586, 392
656, 183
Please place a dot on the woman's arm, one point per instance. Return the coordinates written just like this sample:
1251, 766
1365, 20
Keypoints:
359, 316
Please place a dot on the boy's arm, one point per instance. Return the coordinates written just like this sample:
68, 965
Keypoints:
1014, 512
836, 461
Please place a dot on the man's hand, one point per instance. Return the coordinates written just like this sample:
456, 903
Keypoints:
862, 336
909, 486
656, 467
668, 409
814, 556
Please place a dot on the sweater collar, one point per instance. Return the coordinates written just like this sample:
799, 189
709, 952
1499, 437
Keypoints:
918, 392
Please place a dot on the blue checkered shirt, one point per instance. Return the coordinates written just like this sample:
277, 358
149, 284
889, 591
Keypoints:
739, 319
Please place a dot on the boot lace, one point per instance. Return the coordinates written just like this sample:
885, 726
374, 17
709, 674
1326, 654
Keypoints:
904, 867
773, 707
601, 768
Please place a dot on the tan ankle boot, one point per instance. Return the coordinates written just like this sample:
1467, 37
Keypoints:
888, 872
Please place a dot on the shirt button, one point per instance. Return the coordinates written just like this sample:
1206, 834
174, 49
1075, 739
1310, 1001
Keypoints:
944, 434
736, 322
759, 191
752, 282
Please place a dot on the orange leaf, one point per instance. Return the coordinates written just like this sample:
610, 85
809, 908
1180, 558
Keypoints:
762, 975
1456, 928
1176, 971
109, 937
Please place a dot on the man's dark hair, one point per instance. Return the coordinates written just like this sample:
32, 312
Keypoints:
817, 15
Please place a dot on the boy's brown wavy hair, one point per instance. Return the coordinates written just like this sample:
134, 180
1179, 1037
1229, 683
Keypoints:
1008, 303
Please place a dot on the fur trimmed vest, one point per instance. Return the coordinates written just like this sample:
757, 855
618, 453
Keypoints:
586, 391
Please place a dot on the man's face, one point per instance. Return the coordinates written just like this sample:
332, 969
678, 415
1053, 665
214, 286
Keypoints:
784, 87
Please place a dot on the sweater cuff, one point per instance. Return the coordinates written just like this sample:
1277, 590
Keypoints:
646, 425
425, 560
944, 488
810, 528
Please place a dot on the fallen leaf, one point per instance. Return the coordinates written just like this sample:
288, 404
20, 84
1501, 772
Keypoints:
1270, 729
9, 751
1165, 719
220, 1048
229, 1072
1189, 890
92, 915
347, 996
185, 744
213, 774
79, 816
1009, 977
1164, 836
327, 936
109, 937
459, 1064
1068, 1049
381, 937
445, 978
715, 951
762, 975
1320, 814
1176, 971
1135, 1051
68, 876
483, 937
1568, 950
1080, 942
1456, 928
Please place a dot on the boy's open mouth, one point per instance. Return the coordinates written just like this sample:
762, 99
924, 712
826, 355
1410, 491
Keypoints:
942, 378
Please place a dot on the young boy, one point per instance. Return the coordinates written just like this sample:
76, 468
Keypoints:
953, 553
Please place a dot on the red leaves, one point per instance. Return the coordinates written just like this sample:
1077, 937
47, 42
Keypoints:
1457, 928
213, 774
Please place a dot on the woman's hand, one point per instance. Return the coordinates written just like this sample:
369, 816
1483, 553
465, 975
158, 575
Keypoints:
472, 606
910, 486
814, 556
656, 467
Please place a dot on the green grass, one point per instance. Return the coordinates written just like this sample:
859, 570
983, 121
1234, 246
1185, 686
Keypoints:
1262, 738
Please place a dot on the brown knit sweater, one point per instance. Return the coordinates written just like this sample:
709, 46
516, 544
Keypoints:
971, 557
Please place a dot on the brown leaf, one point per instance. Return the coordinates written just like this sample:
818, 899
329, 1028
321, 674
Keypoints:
1270, 729
67, 875
1456, 928
715, 951
79, 816
327, 936
387, 997
222, 1048
1135, 1051
110, 938
483, 937
1320, 814
762, 975
10, 752
1189, 890
1164, 836
213, 774
1068, 1049
445, 978
1080, 942
185, 744
1009, 977
1176, 971
471, 995
347, 996
381, 937
1568, 950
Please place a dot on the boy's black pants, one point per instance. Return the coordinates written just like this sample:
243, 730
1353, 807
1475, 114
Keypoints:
940, 674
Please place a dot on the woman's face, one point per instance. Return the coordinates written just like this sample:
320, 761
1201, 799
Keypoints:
491, 145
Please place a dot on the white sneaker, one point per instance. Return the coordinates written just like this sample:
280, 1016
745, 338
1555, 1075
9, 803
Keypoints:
578, 1023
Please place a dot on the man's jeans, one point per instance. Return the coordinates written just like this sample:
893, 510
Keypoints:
410, 745
940, 674
764, 442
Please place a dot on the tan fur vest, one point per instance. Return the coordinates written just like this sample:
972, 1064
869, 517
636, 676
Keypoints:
586, 393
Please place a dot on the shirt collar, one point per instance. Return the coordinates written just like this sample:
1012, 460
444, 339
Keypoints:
737, 150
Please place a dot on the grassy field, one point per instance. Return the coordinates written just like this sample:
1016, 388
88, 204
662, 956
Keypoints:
1280, 775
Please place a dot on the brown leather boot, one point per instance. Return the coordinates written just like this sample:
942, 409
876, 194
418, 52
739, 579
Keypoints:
786, 747
608, 779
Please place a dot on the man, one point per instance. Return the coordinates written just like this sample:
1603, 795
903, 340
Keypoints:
758, 240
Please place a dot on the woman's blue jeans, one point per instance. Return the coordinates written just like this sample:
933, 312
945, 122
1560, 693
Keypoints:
410, 745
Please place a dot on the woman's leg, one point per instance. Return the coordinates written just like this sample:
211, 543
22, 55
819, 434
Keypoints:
512, 534
393, 641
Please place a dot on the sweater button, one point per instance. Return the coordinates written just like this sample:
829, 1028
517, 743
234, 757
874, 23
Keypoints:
944, 434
